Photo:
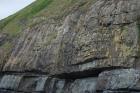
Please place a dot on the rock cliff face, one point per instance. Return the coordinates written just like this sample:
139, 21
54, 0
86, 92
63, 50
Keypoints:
94, 48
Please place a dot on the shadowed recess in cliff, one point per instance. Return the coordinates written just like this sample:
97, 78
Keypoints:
85, 74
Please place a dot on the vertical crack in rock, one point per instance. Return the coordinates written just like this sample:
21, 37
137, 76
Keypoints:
41, 83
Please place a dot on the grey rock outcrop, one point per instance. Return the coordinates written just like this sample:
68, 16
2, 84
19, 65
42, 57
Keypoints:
122, 79
75, 54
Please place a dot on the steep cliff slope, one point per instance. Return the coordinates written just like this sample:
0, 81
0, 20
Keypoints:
72, 46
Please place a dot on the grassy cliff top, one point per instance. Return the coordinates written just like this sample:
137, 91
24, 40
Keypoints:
14, 23
37, 12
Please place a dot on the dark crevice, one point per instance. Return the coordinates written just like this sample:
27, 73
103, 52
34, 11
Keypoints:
93, 72
2, 90
89, 60
136, 57
111, 24
128, 89
105, 24
97, 58
86, 73
122, 90
28, 73
123, 24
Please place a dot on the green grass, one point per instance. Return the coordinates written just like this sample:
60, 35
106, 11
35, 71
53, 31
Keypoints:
39, 9
6, 45
15, 23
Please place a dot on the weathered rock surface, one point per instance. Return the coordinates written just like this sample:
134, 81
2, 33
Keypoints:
67, 56
105, 35
122, 79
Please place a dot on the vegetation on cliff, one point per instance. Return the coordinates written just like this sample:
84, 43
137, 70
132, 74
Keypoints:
14, 23
38, 11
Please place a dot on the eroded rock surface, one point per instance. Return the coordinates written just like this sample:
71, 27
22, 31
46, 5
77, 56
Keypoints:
67, 56
122, 79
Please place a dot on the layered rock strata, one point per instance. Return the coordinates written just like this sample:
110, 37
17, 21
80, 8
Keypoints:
93, 49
